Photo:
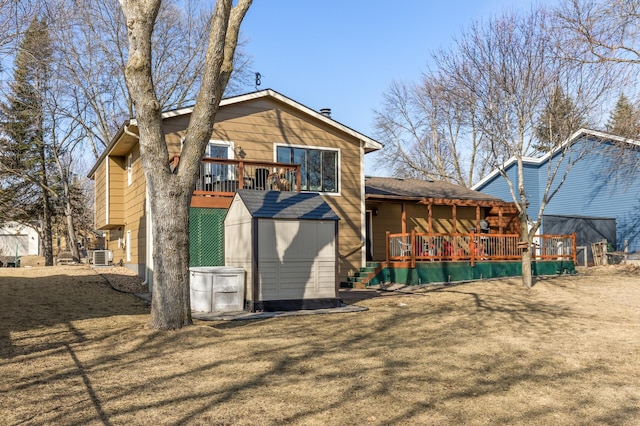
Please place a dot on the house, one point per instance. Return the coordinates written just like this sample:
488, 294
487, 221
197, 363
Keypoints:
261, 140
595, 201
402, 205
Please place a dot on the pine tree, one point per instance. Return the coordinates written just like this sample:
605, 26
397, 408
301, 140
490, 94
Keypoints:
624, 119
557, 122
24, 157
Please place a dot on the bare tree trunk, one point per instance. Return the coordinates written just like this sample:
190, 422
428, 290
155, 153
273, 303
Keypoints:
171, 302
169, 193
72, 242
47, 236
527, 252
527, 274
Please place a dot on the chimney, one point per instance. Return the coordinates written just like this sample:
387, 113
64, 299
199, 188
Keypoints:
326, 112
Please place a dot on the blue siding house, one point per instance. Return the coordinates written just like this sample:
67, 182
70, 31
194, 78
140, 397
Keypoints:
596, 201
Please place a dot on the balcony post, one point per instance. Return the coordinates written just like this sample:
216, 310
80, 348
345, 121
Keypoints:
240, 175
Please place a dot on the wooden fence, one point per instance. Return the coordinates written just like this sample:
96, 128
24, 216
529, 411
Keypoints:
422, 247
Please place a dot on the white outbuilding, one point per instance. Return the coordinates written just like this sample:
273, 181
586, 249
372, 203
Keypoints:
18, 239
287, 243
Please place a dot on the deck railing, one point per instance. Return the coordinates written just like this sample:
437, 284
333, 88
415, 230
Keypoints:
223, 177
420, 247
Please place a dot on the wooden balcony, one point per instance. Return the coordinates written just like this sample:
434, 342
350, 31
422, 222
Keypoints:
221, 178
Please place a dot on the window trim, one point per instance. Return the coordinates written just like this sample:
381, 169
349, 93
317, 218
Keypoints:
338, 191
228, 144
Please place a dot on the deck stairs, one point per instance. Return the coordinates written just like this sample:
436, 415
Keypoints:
362, 278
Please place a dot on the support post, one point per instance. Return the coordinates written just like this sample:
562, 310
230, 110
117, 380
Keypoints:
413, 248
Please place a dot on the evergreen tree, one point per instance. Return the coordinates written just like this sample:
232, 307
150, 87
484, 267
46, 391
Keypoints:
624, 119
24, 156
557, 122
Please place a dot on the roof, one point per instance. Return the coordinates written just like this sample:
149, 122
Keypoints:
368, 143
580, 134
286, 205
416, 189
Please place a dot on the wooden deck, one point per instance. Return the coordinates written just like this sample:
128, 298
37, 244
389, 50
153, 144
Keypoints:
423, 247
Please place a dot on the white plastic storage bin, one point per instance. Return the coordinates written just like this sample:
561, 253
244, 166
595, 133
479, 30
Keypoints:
216, 288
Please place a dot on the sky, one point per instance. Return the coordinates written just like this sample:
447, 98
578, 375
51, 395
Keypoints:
344, 54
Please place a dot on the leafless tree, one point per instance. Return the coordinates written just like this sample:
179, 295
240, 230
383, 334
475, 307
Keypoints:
170, 193
608, 32
512, 67
94, 52
604, 31
430, 131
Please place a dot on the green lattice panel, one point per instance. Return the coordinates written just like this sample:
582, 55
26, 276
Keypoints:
206, 237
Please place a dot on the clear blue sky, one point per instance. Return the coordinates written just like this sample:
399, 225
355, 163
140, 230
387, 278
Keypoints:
343, 54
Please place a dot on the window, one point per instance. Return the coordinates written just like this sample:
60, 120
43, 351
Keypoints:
318, 167
129, 169
218, 172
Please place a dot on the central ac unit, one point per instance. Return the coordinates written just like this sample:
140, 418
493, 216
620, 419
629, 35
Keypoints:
102, 257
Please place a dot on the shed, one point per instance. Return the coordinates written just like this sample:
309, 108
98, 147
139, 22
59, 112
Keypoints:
18, 239
287, 243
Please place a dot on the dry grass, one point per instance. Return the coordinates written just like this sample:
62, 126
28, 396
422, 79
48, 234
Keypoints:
75, 352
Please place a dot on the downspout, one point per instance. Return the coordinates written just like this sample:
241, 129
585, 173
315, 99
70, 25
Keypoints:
148, 267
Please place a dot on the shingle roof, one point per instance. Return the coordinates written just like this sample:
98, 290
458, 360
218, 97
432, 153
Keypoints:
382, 187
286, 205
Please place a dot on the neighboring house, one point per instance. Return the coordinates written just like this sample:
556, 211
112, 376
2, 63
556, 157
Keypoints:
18, 239
262, 140
595, 201
402, 205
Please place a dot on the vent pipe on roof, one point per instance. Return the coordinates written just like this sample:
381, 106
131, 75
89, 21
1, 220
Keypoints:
326, 112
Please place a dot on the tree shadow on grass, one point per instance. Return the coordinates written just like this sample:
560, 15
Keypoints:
50, 300
414, 359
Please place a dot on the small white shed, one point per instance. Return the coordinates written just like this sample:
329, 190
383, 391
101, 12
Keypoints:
20, 238
287, 243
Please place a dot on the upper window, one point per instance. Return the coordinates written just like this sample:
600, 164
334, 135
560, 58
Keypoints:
215, 172
318, 167
219, 150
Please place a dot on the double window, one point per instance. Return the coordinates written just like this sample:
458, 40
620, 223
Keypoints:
318, 167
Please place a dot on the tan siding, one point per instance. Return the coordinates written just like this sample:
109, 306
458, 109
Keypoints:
117, 180
100, 197
466, 217
134, 218
388, 219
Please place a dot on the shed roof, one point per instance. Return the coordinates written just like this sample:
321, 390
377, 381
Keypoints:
416, 189
286, 205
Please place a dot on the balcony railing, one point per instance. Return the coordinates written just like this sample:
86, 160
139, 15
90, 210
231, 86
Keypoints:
420, 247
221, 177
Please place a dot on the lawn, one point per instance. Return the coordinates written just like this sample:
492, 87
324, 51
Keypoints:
73, 351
